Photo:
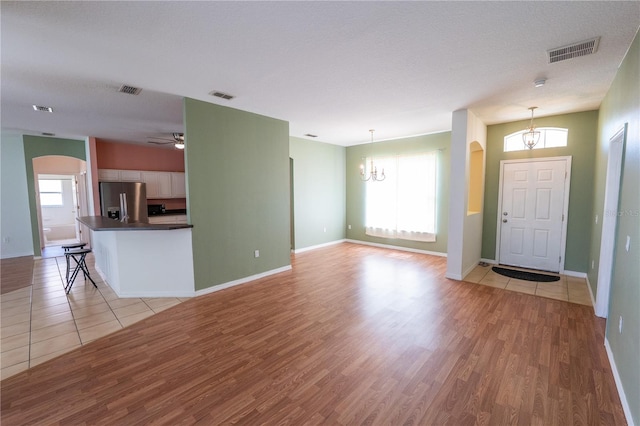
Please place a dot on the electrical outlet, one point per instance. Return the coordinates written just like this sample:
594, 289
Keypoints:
620, 324
324, 229
628, 245
596, 219
5, 240
348, 226
593, 264
256, 253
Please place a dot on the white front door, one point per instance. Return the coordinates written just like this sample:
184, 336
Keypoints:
532, 215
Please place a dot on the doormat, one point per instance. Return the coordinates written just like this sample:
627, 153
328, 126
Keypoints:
527, 276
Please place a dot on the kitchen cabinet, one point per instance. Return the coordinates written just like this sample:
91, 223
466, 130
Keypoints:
169, 218
131, 175
158, 184
178, 187
109, 175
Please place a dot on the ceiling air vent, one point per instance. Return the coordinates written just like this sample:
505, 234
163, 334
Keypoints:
42, 108
583, 48
48, 134
222, 95
129, 90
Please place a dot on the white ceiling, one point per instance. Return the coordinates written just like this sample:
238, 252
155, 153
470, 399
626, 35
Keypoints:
334, 69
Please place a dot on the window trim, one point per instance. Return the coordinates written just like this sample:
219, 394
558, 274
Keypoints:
60, 193
541, 144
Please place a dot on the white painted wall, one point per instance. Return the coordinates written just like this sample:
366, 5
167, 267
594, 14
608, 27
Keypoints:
146, 263
465, 232
15, 225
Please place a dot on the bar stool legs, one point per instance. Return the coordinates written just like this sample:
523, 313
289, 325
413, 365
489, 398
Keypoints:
66, 249
79, 257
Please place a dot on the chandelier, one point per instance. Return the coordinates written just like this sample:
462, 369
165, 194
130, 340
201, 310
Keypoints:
179, 138
531, 137
373, 170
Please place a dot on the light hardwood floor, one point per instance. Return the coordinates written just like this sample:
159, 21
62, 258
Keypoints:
352, 335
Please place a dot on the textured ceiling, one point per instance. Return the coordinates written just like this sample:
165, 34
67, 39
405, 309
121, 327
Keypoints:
334, 69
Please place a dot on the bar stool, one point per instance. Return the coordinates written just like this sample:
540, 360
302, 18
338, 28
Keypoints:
79, 256
66, 248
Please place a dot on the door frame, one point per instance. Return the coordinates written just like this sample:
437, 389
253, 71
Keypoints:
610, 221
565, 207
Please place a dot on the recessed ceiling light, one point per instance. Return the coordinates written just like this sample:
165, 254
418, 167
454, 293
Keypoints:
540, 82
42, 108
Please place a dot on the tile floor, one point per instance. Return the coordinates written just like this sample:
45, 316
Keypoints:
569, 289
40, 322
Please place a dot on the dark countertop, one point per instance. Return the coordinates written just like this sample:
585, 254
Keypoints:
101, 223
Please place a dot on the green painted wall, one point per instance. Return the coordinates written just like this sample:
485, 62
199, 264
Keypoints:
622, 105
237, 166
356, 193
37, 146
318, 191
581, 145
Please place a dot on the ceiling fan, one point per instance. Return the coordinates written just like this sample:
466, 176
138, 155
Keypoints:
177, 140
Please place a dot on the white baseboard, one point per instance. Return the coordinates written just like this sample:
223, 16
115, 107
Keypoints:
388, 246
219, 287
456, 277
574, 274
330, 243
20, 254
489, 261
616, 378
593, 299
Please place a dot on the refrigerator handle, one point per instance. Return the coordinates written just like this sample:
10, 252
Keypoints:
124, 214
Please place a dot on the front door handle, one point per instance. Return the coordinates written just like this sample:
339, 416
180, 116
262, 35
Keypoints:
504, 220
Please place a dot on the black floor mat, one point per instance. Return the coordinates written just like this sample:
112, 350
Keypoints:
523, 275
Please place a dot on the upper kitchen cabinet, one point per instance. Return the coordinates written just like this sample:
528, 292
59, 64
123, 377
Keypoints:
130, 175
108, 175
158, 184
178, 187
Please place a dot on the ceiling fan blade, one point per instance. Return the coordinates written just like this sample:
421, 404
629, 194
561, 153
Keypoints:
160, 143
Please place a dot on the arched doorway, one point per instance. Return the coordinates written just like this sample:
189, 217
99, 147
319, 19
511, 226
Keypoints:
65, 154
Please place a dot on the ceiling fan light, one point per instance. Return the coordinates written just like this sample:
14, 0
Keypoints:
179, 145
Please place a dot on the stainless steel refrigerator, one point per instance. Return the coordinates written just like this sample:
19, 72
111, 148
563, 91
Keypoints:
124, 201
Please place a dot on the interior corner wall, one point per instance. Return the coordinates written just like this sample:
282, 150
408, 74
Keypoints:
237, 168
37, 146
93, 191
319, 194
465, 230
622, 105
15, 226
355, 194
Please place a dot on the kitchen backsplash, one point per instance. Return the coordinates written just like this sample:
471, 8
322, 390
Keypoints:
170, 203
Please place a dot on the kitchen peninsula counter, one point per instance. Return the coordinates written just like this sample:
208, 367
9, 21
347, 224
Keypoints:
142, 259
101, 223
